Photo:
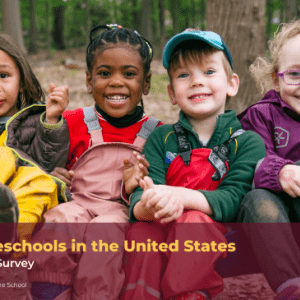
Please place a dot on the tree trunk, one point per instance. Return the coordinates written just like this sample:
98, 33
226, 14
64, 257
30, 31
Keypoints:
136, 16
241, 24
87, 22
290, 8
175, 16
48, 27
146, 30
269, 14
162, 26
59, 24
11, 21
33, 28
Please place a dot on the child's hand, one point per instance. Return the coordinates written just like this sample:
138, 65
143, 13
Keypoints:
161, 201
64, 175
133, 174
289, 179
57, 102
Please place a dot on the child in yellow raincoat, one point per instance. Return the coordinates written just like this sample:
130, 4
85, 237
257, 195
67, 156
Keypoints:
26, 190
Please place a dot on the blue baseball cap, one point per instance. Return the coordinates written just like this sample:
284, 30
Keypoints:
209, 37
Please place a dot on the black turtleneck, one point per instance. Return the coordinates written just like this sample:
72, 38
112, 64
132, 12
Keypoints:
123, 121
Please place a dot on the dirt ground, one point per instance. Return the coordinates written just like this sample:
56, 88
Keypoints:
248, 287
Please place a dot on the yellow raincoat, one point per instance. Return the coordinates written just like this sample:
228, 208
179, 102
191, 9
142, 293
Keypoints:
35, 191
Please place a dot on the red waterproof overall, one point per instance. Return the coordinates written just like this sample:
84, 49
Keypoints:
162, 275
96, 188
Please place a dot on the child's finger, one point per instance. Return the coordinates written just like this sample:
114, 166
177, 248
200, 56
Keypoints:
51, 87
127, 164
144, 170
142, 160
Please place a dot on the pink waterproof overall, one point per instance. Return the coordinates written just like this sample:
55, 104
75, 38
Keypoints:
93, 273
154, 275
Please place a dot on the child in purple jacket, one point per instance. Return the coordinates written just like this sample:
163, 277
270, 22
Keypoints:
275, 199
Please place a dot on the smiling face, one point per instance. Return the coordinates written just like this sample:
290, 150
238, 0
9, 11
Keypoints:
9, 85
289, 59
117, 81
200, 89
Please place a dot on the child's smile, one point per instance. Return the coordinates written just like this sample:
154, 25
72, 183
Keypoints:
117, 81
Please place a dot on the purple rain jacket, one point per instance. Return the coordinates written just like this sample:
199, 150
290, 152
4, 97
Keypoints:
279, 127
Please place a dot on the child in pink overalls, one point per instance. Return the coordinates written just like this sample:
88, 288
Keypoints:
101, 137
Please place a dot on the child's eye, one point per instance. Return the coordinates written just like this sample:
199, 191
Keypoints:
210, 72
3, 75
183, 75
129, 74
103, 73
293, 74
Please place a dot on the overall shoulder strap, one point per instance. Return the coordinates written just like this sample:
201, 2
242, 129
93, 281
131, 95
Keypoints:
91, 119
148, 127
184, 147
220, 154
145, 131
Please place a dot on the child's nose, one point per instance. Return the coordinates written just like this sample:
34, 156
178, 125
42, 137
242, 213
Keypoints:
197, 80
116, 80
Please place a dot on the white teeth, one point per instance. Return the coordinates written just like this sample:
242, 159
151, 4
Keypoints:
117, 98
199, 96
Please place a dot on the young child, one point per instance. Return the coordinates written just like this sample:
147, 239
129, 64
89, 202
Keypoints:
277, 178
101, 137
25, 189
200, 169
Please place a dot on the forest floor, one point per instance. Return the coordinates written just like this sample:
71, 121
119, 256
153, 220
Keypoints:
245, 287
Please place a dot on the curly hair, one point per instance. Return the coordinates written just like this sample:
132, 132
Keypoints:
264, 69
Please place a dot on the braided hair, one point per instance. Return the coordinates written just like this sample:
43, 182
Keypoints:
115, 34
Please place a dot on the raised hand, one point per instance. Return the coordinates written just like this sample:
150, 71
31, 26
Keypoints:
57, 102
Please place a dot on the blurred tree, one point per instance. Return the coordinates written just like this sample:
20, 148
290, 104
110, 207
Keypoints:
290, 9
59, 24
33, 28
241, 23
146, 29
11, 21
162, 25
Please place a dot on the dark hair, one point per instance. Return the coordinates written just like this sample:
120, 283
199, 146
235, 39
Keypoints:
32, 90
115, 34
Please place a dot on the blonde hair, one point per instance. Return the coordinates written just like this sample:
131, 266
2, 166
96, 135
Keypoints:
264, 68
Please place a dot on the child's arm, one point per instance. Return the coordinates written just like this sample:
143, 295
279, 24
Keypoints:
259, 119
51, 145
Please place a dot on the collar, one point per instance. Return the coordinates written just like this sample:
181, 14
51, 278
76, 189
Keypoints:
122, 122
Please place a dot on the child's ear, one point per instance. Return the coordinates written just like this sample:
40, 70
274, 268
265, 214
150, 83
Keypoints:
146, 84
89, 82
233, 85
171, 94
275, 79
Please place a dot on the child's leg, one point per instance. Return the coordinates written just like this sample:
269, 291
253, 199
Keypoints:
273, 244
58, 267
194, 270
143, 269
99, 274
